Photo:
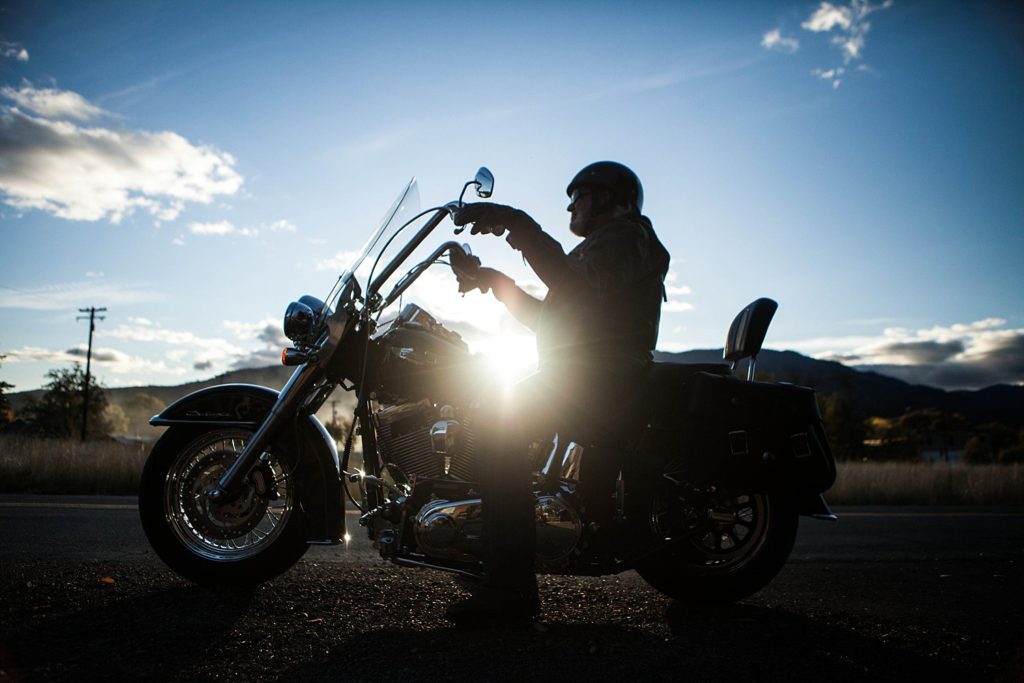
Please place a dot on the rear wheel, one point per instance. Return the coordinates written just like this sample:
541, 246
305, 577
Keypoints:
736, 544
245, 541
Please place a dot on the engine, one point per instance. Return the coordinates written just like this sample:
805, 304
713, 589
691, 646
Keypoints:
425, 440
425, 370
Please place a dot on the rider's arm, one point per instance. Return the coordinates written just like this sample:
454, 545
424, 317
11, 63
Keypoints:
611, 258
524, 307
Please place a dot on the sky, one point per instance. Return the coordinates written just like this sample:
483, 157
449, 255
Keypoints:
193, 167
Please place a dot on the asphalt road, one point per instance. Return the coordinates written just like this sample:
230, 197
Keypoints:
882, 594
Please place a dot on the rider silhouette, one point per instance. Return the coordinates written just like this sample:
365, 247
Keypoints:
596, 329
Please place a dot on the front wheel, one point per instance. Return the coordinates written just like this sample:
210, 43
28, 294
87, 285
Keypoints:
736, 545
243, 542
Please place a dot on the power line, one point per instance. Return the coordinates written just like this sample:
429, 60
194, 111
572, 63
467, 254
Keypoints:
92, 311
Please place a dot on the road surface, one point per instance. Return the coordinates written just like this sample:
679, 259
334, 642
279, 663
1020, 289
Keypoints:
882, 594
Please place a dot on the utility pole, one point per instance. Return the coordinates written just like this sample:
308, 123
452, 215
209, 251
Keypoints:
92, 311
334, 415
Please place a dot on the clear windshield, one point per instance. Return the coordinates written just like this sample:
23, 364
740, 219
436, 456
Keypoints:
405, 206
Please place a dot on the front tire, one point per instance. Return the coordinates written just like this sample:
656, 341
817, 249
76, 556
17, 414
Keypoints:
743, 542
241, 543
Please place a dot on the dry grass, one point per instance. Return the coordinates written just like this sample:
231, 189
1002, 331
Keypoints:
101, 467
870, 483
30, 465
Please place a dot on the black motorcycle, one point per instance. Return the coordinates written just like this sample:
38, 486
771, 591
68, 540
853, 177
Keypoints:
714, 470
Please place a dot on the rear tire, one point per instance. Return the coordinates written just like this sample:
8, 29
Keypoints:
242, 543
748, 542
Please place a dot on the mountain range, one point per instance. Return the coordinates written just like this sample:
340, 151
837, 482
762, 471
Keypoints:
869, 393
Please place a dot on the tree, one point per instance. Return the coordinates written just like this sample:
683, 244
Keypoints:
6, 412
845, 428
59, 411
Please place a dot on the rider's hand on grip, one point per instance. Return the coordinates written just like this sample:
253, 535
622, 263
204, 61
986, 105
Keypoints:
489, 218
465, 266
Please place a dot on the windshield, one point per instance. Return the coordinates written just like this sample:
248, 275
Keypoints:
405, 206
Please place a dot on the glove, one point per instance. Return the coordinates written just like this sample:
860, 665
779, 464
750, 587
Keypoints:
465, 266
491, 279
493, 219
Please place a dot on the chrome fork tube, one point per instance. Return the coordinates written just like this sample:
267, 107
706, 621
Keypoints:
286, 406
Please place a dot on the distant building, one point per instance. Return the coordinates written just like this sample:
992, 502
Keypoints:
944, 446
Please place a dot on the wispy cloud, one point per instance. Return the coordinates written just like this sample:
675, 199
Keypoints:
221, 228
848, 27
774, 40
95, 173
52, 103
110, 359
282, 225
184, 349
969, 356
851, 27
72, 295
9, 50
673, 292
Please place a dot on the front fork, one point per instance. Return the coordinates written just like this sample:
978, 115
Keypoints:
288, 403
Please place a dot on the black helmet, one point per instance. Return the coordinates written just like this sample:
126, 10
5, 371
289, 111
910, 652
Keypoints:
622, 182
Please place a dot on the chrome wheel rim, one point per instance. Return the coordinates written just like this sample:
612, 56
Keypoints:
236, 530
735, 529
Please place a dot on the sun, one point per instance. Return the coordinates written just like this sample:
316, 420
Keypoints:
510, 357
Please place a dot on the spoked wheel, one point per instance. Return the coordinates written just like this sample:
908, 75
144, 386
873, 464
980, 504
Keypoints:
246, 540
733, 546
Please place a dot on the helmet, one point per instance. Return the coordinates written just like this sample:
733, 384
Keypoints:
622, 182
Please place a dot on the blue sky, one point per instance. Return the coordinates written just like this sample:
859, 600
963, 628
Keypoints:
194, 167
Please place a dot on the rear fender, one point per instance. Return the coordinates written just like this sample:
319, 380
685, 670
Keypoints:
318, 470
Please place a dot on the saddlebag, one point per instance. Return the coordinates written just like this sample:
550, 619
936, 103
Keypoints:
754, 435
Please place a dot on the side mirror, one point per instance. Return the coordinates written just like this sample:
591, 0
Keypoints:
484, 182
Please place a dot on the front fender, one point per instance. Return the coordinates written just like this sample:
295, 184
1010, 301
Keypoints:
318, 470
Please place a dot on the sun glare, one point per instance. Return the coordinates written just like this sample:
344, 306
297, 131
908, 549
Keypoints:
510, 357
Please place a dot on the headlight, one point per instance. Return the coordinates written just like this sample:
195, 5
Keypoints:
298, 323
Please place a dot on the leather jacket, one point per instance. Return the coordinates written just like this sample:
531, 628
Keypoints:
603, 304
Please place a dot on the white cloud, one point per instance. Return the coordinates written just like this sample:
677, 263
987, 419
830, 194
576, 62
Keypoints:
851, 26
970, 355
835, 76
269, 331
672, 291
774, 40
282, 226
178, 241
71, 295
827, 17
337, 263
220, 228
188, 347
90, 174
52, 103
107, 358
9, 50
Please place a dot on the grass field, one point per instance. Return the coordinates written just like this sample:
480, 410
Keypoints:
69, 466
52, 466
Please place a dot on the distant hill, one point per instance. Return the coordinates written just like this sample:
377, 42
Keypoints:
872, 393
142, 402
869, 392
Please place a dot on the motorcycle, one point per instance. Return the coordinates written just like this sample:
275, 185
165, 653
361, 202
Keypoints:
715, 470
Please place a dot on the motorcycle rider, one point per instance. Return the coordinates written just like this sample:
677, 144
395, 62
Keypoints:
596, 329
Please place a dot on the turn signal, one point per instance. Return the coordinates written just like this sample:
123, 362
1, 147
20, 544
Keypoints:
293, 357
